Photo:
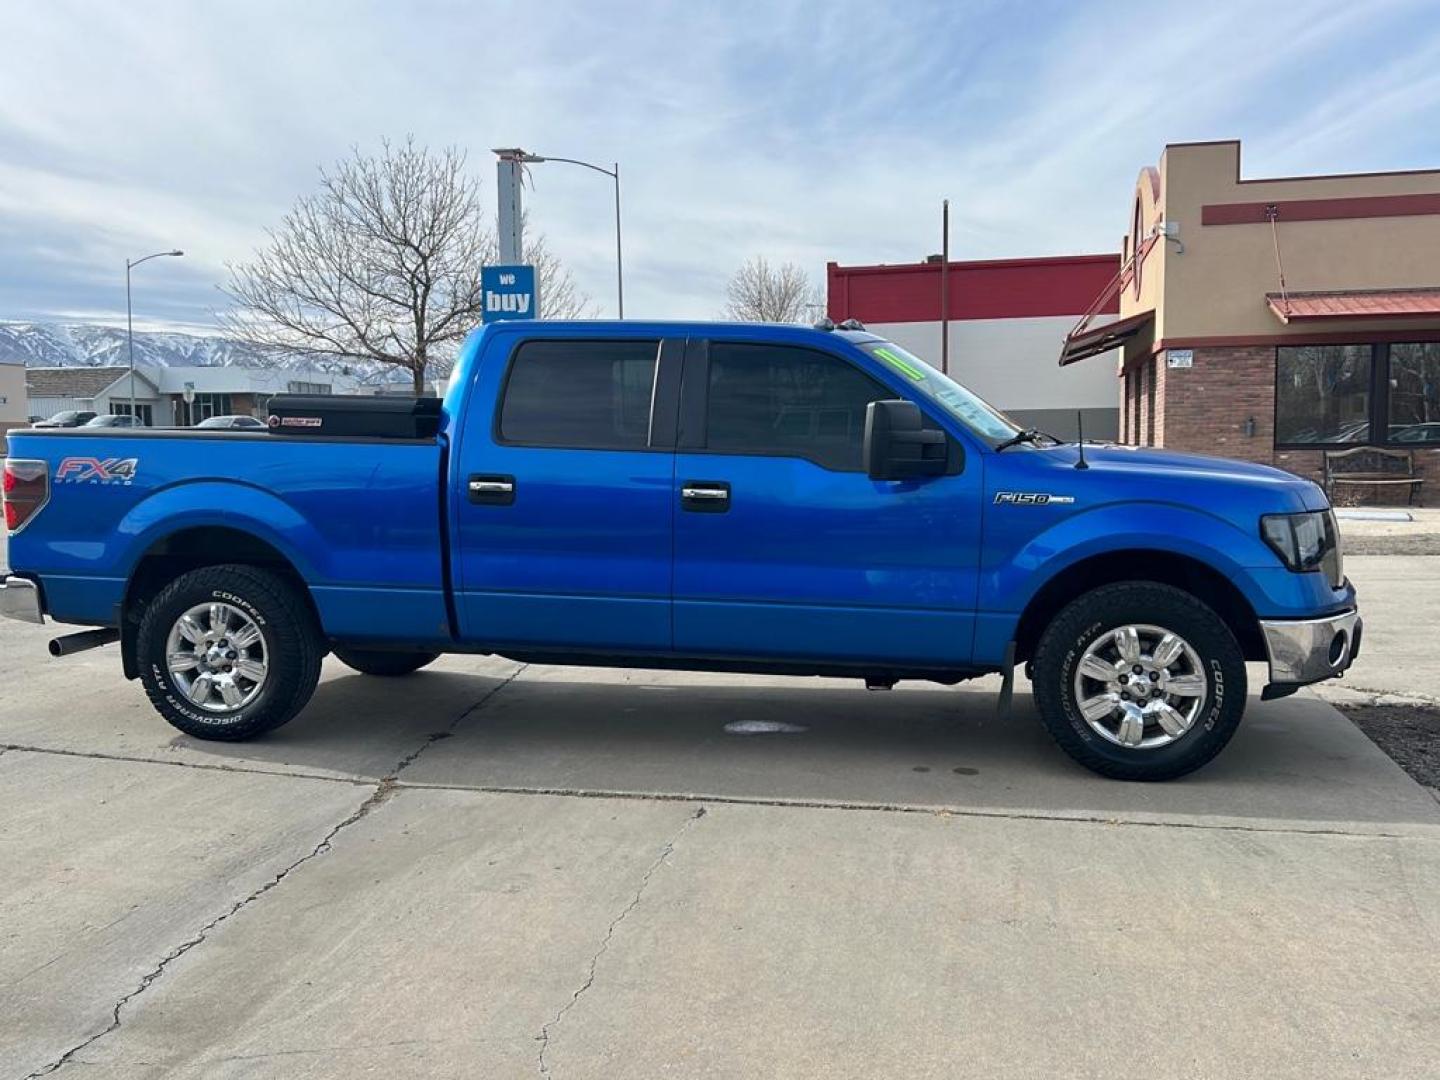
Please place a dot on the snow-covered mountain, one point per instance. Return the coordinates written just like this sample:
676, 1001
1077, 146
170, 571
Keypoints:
89, 345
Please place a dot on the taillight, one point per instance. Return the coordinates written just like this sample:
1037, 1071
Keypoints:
27, 487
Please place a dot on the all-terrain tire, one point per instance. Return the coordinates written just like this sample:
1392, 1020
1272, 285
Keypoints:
380, 662
1100, 612
291, 642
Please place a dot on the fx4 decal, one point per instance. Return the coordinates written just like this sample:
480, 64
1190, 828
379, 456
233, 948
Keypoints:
86, 470
1030, 498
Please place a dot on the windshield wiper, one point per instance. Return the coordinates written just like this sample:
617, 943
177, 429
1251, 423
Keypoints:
1029, 435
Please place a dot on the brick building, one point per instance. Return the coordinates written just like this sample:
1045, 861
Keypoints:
1276, 319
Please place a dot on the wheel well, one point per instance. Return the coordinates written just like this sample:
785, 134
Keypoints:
187, 550
1193, 576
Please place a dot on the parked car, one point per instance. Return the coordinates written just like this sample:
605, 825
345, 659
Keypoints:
1428, 432
67, 419
714, 497
246, 423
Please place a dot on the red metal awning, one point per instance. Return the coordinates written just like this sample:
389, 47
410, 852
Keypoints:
1355, 304
1101, 339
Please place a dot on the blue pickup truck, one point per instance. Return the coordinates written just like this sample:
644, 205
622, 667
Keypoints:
715, 497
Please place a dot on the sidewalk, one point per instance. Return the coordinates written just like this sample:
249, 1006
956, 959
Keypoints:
1362, 536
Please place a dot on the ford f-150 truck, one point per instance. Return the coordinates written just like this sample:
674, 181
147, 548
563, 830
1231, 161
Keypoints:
710, 497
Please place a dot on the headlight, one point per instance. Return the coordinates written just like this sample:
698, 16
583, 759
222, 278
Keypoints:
1308, 541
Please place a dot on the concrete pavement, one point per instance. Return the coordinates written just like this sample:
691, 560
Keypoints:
496, 871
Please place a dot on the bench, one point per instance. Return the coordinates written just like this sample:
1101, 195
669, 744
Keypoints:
1370, 466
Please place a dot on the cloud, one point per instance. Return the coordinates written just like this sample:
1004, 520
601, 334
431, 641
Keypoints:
802, 131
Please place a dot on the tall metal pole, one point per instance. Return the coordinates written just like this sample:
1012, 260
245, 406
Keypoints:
614, 175
945, 287
130, 335
129, 318
619, 267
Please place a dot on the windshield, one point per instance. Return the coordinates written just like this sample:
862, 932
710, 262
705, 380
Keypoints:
970, 409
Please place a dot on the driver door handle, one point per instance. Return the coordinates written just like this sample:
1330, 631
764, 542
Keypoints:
705, 496
491, 490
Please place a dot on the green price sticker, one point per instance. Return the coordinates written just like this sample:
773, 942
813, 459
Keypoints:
900, 364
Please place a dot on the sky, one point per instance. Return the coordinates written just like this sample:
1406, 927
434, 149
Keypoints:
805, 132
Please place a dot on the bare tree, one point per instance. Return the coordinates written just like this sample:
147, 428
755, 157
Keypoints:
759, 292
382, 264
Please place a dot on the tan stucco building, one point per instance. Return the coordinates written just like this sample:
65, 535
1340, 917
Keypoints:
14, 405
1276, 319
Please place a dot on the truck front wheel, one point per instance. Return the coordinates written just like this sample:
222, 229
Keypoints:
1139, 681
228, 652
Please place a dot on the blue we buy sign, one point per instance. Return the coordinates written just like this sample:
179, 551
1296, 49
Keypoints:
509, 293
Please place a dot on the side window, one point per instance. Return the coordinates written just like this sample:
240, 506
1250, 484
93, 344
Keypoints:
592, 395
788, 402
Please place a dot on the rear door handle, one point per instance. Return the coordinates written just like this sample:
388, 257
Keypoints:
491, 489
705, 496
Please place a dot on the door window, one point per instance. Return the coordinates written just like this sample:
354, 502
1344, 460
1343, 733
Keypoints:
784, 401
592, 395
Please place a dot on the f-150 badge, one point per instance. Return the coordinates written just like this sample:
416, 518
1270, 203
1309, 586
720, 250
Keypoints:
1030, 498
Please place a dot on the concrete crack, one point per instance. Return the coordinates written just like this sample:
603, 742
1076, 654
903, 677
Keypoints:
204, 766
383, 791
544, 1037
434, 737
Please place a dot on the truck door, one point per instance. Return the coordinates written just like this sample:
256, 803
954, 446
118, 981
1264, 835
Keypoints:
563, 512
784, 548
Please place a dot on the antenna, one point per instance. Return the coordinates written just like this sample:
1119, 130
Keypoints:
1080, 438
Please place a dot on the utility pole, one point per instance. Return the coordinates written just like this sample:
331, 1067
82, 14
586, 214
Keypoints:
510, 219
945, 287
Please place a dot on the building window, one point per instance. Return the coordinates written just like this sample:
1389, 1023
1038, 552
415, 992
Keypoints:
202, 408
1414, 385
1335, 395
1322, 394
144, 412
308, 387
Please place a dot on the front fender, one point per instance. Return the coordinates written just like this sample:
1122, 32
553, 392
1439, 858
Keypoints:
1010, 579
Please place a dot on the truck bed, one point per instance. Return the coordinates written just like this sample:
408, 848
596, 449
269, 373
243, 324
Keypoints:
359, 518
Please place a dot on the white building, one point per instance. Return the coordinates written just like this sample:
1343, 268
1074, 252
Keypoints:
1007, 318
160, 394
14, 408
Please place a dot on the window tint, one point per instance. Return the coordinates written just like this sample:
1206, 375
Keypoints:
1322, 394
792, 402
584, 394
1415, 394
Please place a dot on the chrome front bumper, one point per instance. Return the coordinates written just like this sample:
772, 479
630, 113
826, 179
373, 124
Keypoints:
20, 599
1306, 651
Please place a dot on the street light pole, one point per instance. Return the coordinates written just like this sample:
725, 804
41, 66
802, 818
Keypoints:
130, 318
614, 174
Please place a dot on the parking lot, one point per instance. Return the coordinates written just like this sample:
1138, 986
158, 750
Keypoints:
505, 871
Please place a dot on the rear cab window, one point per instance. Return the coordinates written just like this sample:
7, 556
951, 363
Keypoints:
582, 395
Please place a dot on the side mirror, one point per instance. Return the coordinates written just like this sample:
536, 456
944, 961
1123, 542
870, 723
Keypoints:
898, 445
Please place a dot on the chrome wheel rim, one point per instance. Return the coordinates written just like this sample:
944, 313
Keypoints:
217, 657
1140, 686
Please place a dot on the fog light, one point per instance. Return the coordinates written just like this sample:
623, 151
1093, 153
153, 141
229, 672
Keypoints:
1338, 645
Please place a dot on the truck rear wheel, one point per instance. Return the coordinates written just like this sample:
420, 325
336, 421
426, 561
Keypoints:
1139, 681
379, 662
228, 652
